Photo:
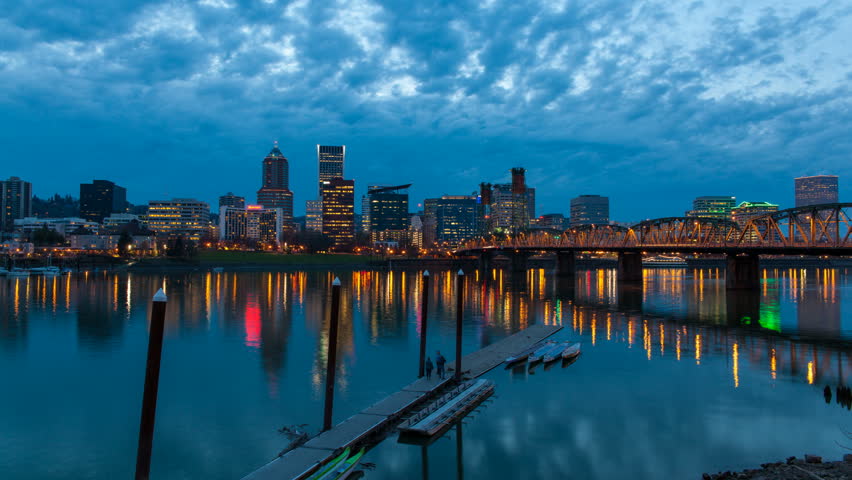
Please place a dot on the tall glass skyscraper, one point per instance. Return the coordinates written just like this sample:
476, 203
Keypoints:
389, 214
275, 192
338, 211
816, 190
330, 159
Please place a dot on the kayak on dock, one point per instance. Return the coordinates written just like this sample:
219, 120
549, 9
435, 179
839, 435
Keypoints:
345, 468
324, 471
449, 408
524, 354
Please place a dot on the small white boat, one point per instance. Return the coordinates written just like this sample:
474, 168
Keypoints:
67, 271
524, 354
218, 269
46, 271
571, 351
3, 271
539, 354
555, 352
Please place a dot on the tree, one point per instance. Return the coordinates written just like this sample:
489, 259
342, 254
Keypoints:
125, 241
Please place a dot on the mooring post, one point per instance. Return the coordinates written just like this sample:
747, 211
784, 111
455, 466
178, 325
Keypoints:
424, 310
459, 315
152, 381
459, 452
331, 358
424, 461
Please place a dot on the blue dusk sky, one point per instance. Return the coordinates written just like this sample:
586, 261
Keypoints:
649, 102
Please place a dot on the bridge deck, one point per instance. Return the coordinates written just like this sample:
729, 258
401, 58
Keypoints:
302, 461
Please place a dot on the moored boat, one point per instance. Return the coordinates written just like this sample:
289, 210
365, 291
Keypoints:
524, 354
555, 352
19, 272
539, 354
571, 351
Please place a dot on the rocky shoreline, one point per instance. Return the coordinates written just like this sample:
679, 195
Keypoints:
811, 467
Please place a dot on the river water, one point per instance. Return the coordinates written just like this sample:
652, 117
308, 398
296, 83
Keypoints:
677, 377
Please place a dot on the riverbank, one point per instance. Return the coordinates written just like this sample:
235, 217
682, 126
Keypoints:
808, 468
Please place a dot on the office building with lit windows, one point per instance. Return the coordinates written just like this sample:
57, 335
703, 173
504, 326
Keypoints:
16, 201
179, 217
712, 207
330, 159
456, 217
275, 192
338, 211
389, 219
101, 198
508, 207
746, 211
313, 215
253, 223
816, 190
231, 200
589, 210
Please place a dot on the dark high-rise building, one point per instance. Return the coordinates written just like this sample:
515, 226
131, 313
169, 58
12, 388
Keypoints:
712, 207
456, 217
338, 211
816, 190
589, 210
330, 159
389, 219
511, 206
275, 192
101, 198
231, 200
16, 201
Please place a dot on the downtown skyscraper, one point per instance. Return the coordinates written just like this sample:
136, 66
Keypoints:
275, 190
816, 190
330, 159
16, 201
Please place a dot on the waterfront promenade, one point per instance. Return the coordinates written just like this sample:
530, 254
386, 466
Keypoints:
368, 426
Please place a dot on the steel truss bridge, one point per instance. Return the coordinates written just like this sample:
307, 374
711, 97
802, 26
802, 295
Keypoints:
813, 230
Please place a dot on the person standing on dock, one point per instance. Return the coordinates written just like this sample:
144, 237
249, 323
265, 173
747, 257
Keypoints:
428, 366
440, 361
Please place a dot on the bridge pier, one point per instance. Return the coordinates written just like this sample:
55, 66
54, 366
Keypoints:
485, 262
629, 297
630, 267
743, 272
565, 264
518, 261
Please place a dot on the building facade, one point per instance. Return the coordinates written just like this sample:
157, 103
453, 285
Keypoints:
551, 221
275, 190
313, 215
179, 217
330, 160
389, 219
456, 218
101, 198
251, 224
62, 226
745, 211
816, 190
511, 206
231, 200
589, 210
712, 207
16, 202
338, 211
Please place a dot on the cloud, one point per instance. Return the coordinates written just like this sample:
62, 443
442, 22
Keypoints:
618, 98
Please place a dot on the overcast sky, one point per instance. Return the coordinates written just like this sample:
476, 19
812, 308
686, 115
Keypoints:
650, 103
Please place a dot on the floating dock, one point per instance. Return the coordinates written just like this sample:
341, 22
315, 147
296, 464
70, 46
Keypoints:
448, 408
357, 429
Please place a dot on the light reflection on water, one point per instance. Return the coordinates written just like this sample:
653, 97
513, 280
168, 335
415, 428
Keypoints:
73, 357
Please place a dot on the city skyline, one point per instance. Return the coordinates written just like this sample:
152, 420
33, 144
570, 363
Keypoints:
732, 99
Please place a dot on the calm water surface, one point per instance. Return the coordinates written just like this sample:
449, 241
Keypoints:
676, 378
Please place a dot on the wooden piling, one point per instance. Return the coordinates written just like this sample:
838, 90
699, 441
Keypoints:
459, 315
152, 380
331, 358
424, 310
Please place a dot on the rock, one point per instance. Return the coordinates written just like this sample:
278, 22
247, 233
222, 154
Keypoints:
706, 476
847, 457
813, 459
790, 460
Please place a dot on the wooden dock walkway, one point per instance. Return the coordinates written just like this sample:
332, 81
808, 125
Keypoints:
302, 461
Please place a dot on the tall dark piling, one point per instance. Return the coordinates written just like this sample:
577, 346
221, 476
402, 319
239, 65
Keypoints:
424, 310
152, 381
459, 315
331, 358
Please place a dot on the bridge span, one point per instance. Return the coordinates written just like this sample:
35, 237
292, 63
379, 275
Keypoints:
816, 230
